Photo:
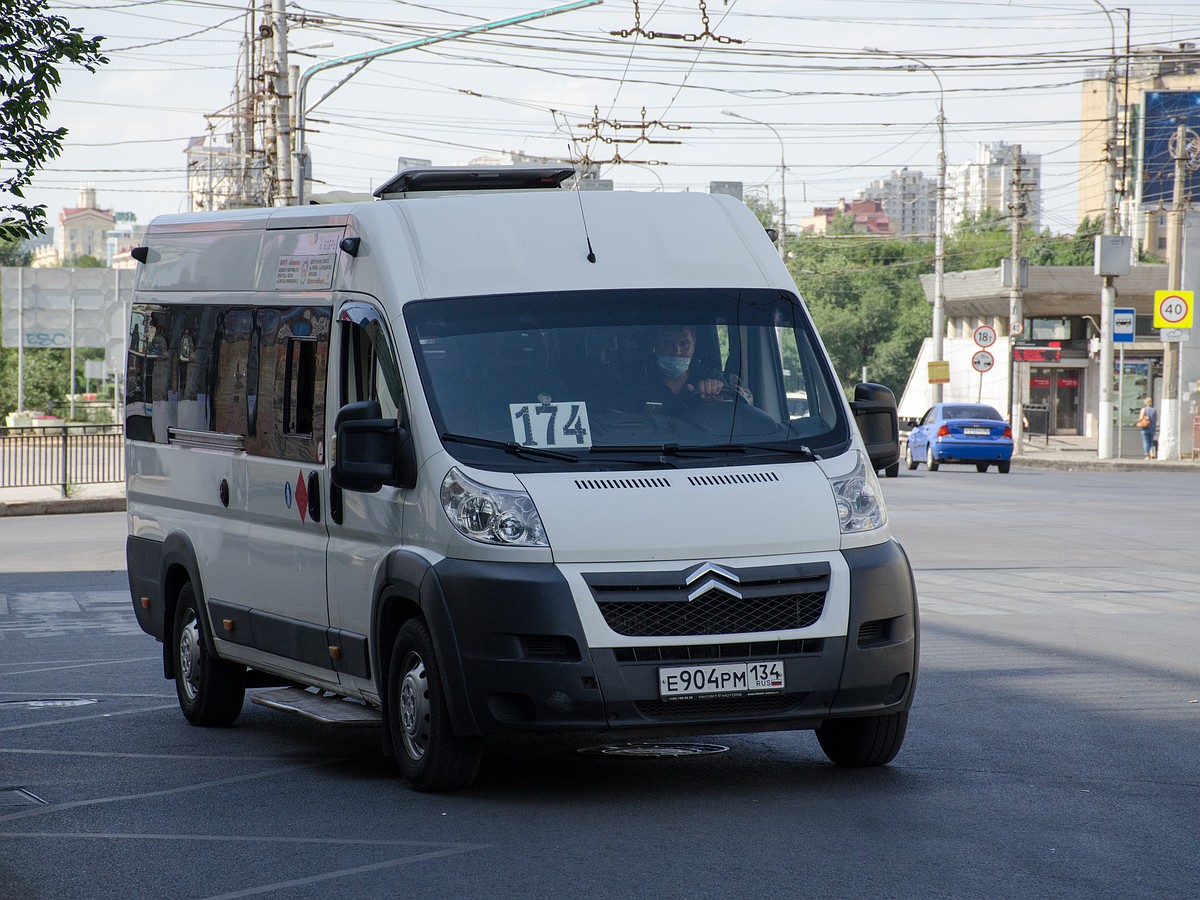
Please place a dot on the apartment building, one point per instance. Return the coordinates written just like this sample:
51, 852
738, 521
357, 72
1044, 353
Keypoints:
908, 198
987, 184
1151, 70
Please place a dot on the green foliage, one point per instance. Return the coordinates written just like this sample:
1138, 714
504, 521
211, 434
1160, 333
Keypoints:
867, 302
11, 254
47, 378
33, 44
83, 261
865, 295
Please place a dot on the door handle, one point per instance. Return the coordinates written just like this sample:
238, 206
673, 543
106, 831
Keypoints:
314, 497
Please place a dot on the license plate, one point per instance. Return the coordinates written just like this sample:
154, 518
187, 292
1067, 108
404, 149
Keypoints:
726, 679
983, 432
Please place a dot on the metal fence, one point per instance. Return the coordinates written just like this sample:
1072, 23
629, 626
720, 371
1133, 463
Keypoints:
62, 455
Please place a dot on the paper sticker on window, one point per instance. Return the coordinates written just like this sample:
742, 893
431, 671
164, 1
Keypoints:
562, 424
305, 272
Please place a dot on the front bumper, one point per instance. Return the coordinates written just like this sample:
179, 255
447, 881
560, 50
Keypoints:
526, 666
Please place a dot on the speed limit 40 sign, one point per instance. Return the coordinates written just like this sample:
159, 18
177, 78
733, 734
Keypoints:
1172, 309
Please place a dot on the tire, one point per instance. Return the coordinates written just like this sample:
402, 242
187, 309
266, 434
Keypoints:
211, 691
909, 462
863, 742
431, 757
981, 467
1003, 467
930, 463
892, 471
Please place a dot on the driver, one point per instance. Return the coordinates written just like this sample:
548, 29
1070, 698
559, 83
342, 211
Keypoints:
670, 376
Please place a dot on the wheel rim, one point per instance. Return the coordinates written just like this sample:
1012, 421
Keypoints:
414, 707
189, 656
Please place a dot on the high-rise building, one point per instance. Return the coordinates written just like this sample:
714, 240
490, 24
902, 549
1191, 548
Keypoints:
987, 184
1152, 69
908, 198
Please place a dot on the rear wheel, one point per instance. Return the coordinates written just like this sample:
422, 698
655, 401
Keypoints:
930, 462
909, 462
211, 691
892, 471
863, 742
1002, 467
981, 467
430, 755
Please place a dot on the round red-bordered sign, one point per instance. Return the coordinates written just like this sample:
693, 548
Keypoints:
985, 336
982, 361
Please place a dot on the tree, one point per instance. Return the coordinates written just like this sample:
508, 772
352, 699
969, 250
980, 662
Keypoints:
33, 45
11, 254
83, 261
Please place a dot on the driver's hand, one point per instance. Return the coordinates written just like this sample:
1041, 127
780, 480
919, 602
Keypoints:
709, 388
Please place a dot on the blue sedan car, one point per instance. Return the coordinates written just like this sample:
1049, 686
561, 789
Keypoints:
960, 433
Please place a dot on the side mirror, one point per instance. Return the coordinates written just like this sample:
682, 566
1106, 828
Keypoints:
371, 451
874, 408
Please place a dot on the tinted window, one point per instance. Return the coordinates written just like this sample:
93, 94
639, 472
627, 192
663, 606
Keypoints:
582, 372
258, 372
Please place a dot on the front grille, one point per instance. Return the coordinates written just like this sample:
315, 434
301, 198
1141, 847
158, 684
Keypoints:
714, 612
730, 706
705, 652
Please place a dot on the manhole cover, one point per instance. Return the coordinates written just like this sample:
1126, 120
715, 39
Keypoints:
654, 750
45, 702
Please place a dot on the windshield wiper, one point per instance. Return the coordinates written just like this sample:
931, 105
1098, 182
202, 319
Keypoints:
796, 450
710, 449
510, 447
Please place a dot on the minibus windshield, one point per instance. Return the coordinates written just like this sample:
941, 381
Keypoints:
723, 374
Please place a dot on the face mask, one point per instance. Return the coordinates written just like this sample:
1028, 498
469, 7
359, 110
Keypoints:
673, 366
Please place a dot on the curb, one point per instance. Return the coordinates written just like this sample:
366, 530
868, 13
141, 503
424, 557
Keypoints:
1096, 465
56, 507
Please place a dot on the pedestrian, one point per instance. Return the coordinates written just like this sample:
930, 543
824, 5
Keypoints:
1148, 423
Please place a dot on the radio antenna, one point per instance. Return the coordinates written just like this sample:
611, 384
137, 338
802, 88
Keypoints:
591, 254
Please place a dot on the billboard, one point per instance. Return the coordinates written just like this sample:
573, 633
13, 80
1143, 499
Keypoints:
1163, 112
37, 306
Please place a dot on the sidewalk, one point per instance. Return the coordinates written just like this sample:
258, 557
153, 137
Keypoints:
1066, 452
38, 501
1074, 453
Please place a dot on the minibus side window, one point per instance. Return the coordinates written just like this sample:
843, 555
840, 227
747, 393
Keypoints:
369, 370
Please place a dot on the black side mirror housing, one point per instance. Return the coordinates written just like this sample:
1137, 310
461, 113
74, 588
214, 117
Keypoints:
874, 408
371, 451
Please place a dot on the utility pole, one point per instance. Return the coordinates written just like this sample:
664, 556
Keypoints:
283, 122
1016, 309
1168, 415
1108, 293
939, 246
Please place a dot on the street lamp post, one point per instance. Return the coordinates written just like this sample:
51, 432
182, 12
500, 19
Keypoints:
365, 58
782, 181
938, 329
1108, 293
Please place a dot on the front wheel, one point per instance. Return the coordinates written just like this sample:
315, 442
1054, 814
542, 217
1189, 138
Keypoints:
892, 471
430, 755
909, 462
930, 462
211, 691
865, 741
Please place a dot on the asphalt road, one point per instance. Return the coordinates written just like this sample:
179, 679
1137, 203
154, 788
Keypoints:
1051, 751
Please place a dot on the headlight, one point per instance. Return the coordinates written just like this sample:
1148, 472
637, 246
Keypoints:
491, 515
859, 499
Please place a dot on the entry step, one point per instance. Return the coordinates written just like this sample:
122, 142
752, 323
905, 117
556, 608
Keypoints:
328, 709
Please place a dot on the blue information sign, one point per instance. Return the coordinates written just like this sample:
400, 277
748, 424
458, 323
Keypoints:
1123, 324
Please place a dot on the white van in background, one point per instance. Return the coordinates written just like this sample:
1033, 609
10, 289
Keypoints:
485, 456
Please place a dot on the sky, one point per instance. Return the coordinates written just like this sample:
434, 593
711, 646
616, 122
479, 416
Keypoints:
843, 93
